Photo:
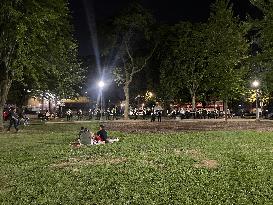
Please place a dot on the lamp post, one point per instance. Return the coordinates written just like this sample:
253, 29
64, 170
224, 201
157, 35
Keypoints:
101, 85
256, 84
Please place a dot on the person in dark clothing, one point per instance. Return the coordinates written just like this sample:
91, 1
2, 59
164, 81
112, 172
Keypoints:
152, 116
102, 134
98, 115
13, 119
159, 115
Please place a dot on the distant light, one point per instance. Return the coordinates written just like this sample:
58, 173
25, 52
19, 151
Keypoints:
255, 84
101, 84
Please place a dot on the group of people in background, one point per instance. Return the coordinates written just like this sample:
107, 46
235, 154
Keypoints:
182, 113
114, 114
109, 113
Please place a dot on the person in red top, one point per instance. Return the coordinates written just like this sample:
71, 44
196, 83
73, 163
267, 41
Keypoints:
5, 115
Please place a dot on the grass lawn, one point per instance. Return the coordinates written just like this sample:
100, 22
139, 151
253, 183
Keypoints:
37, 166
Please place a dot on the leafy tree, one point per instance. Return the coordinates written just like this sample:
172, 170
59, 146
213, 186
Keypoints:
263, 60
185, 65
227, 51
133, 34
36, 44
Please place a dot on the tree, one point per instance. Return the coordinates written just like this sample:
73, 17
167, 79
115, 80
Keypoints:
262, 61
185, 65
227, 51
133, 37
36, 44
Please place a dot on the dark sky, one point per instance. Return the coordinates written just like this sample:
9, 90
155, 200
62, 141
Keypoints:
165, 11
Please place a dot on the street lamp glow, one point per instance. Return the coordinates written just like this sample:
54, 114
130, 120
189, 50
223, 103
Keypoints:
256, 84
101, 84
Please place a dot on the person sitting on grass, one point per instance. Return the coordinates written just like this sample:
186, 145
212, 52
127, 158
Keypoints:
102, 136
84, 138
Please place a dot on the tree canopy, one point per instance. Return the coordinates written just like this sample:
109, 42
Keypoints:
37, 47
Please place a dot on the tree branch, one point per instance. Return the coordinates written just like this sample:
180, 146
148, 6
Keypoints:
145, 62
129, 54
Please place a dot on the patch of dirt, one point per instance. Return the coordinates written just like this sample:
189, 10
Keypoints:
202, 161
177, 152
150, 163
4, 184
207, 163
77, 161
142, 126
195, 154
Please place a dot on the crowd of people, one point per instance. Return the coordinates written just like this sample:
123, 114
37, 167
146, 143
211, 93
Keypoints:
182, 113
110, 114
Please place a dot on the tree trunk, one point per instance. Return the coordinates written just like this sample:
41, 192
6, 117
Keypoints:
193, 98
4, 89
43, 102
127, 97
225, 109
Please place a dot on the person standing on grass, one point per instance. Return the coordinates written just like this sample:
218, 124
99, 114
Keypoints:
68, 115
159, 115
47, 115
79, 114
13, 119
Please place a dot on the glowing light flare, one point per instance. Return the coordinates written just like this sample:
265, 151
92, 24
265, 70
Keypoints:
255, 84
101, 84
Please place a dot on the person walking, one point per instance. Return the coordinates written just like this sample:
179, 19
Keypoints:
13, 119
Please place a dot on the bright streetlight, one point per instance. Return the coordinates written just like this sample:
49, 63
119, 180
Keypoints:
256, 84
101, 84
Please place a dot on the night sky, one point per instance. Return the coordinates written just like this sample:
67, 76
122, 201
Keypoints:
169, 12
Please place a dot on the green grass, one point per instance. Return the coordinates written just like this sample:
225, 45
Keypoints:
37, 166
